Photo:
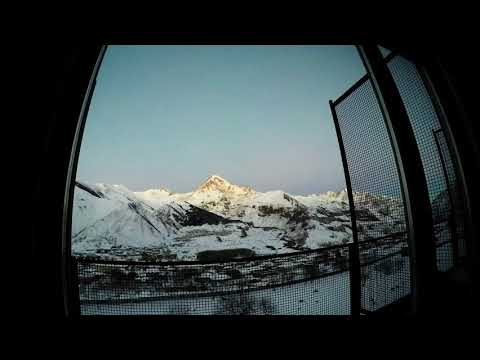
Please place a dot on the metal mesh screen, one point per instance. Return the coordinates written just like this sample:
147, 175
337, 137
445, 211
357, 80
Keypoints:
308, 283
385, 271
436, 159
455, 194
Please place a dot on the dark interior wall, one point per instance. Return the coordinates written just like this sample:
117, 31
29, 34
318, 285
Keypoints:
62, 74
461, 105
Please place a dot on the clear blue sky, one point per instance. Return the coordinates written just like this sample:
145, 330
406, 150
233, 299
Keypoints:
256, 115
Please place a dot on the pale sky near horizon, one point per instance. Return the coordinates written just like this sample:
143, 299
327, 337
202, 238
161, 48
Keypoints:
257, 115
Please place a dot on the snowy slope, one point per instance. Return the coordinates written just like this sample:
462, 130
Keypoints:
154, 197
89, 208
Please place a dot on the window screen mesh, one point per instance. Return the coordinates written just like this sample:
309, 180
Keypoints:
455, 193
436, 160
309, 283
384, 261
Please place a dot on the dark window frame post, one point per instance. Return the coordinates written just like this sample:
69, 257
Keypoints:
452, 215
463, 187
69, 265
353, 251
411, 174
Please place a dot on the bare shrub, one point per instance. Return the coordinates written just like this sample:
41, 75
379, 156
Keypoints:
244, 304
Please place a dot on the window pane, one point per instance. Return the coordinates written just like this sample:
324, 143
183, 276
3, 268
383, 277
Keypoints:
210, 154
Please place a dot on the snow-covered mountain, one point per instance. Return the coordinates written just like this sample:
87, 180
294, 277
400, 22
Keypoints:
112, 221
216, 183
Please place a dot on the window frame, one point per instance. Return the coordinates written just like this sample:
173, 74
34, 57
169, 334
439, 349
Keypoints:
68, 279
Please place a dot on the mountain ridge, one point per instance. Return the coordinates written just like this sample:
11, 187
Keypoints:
217, 182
